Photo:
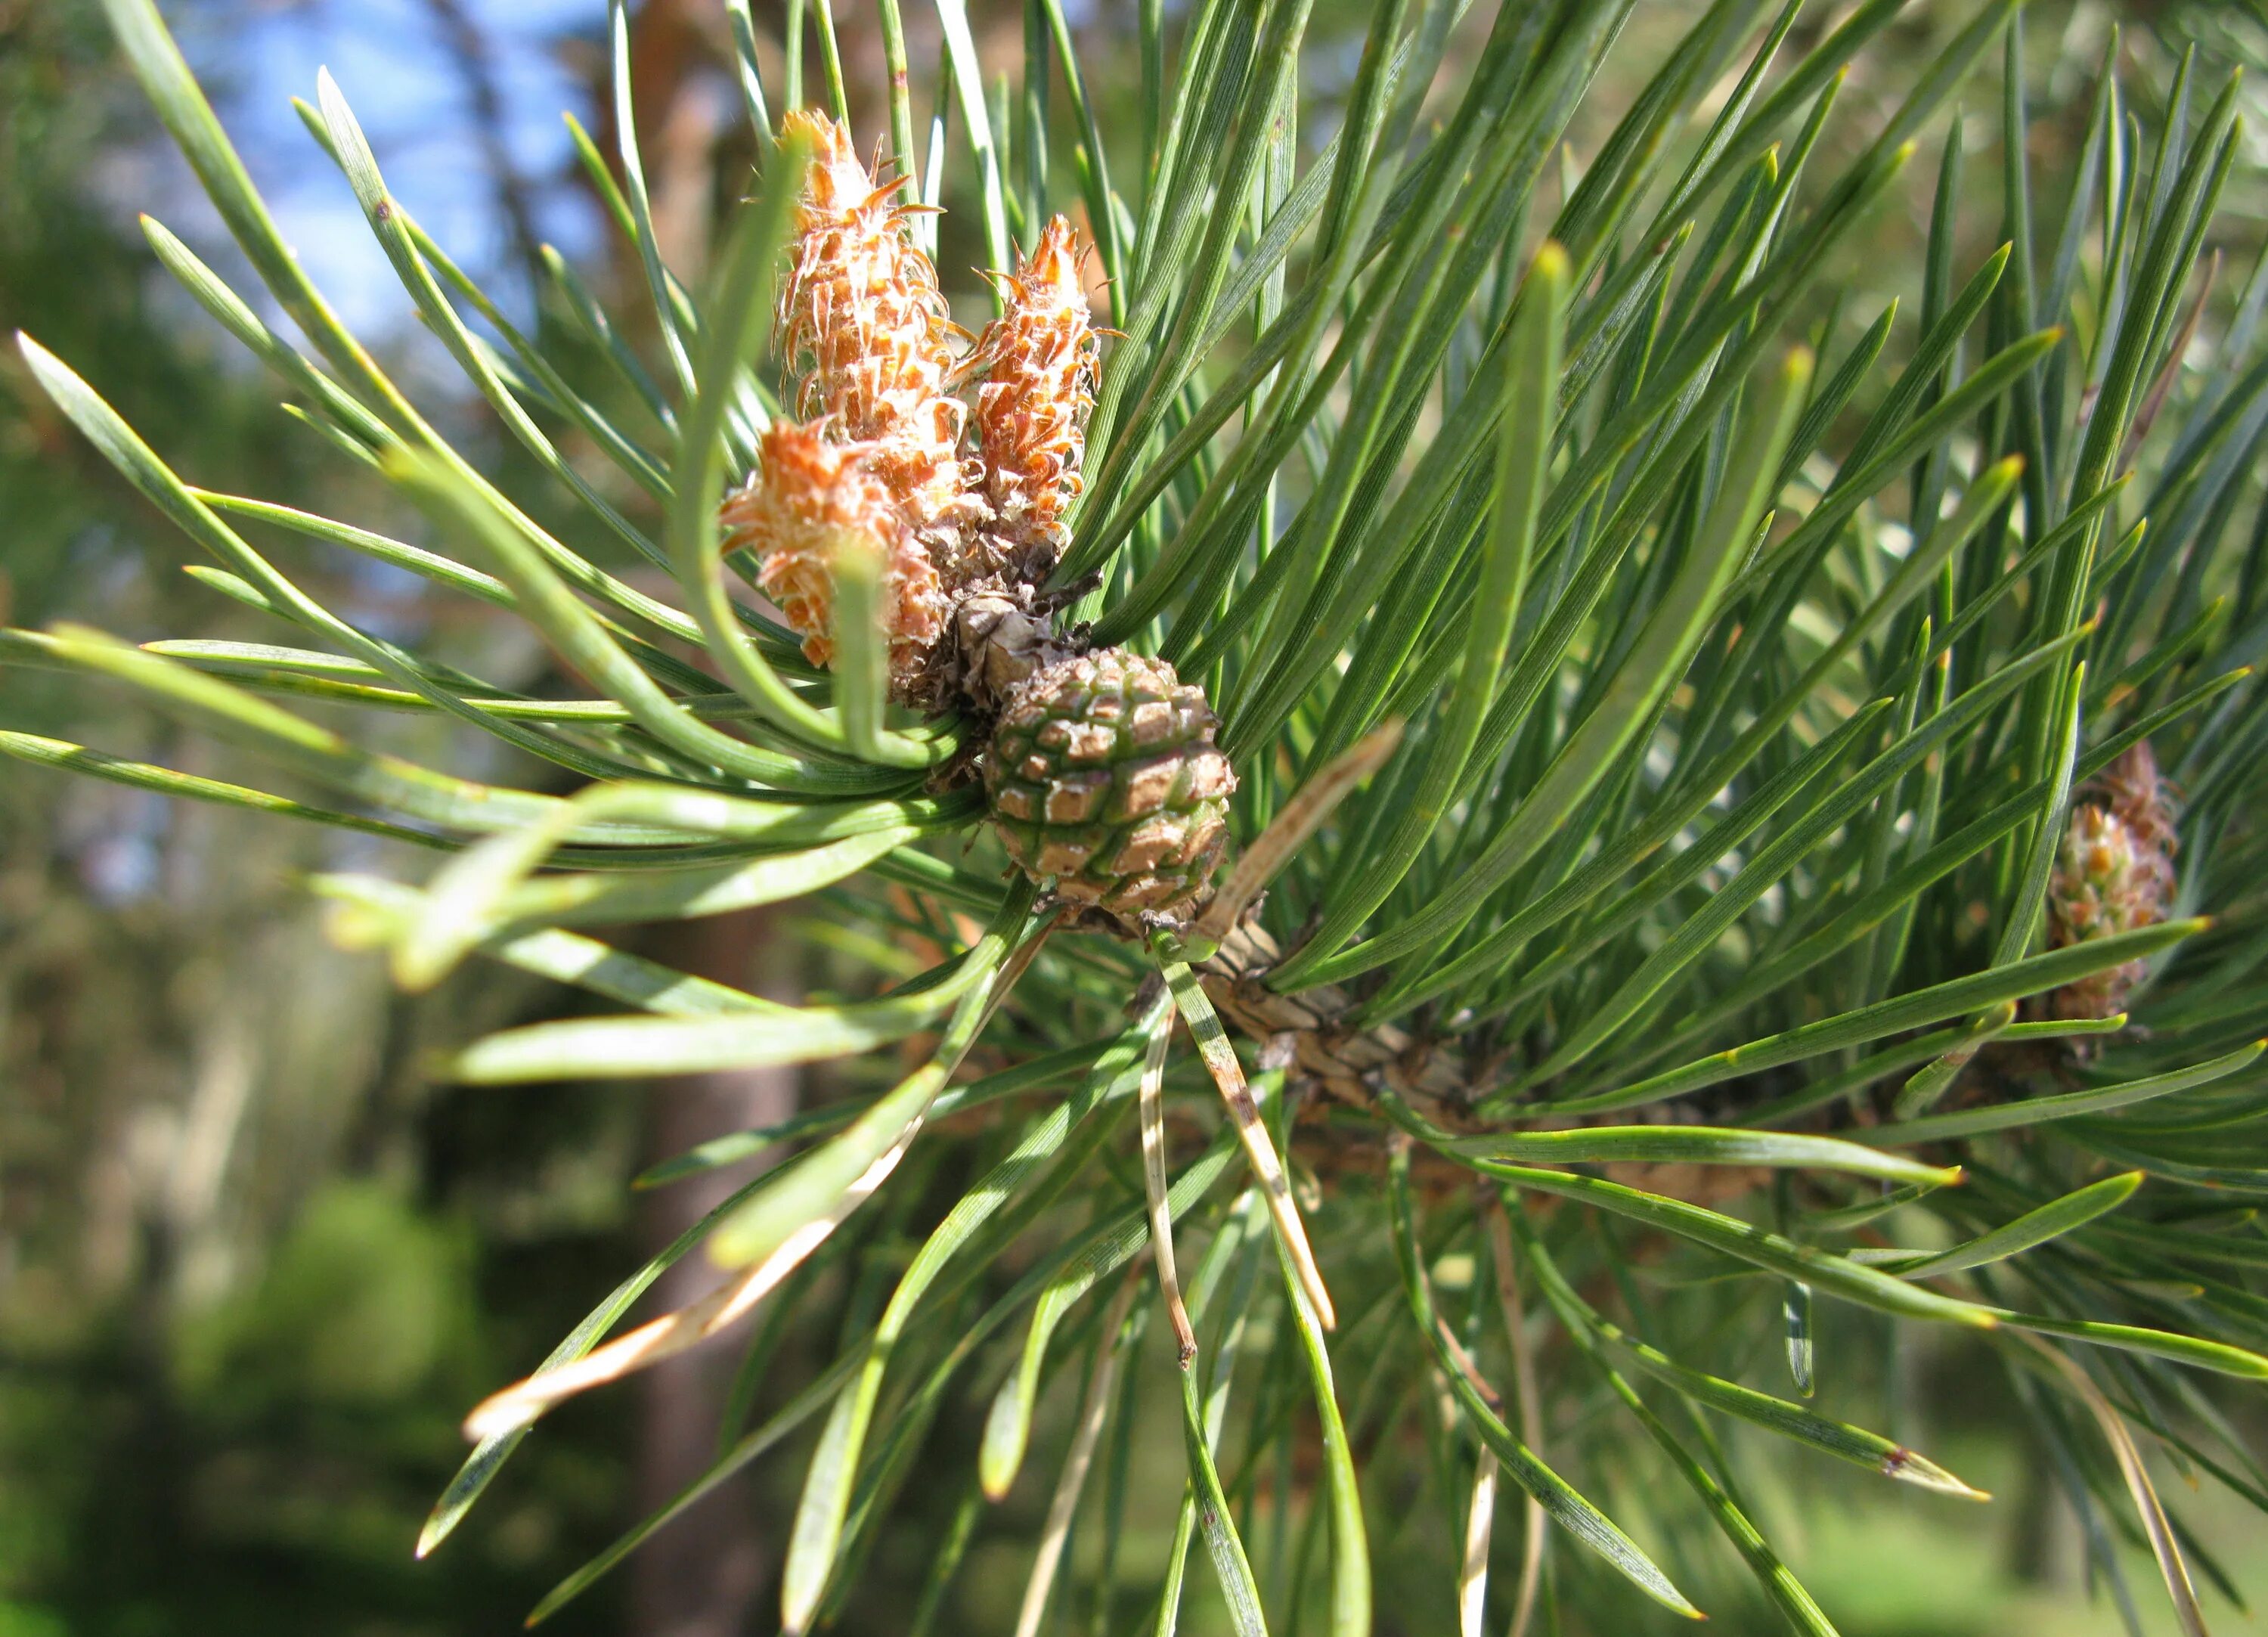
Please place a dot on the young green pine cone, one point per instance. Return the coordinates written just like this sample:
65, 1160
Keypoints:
1039, 363
1103, 777
2115, 873
808, 494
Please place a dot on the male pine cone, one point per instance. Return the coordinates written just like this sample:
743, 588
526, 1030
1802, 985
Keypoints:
960, 505
2114, 873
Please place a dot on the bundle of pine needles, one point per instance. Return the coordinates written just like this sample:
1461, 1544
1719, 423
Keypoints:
1644, 831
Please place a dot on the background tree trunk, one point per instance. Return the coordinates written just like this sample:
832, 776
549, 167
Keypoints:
702, 1576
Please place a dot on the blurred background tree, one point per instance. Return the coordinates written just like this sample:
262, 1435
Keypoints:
248, 1274
251, 1270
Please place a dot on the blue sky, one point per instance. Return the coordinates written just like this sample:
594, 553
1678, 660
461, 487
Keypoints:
389, 58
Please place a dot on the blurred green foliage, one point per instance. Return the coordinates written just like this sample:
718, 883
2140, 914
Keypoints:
248, 1277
